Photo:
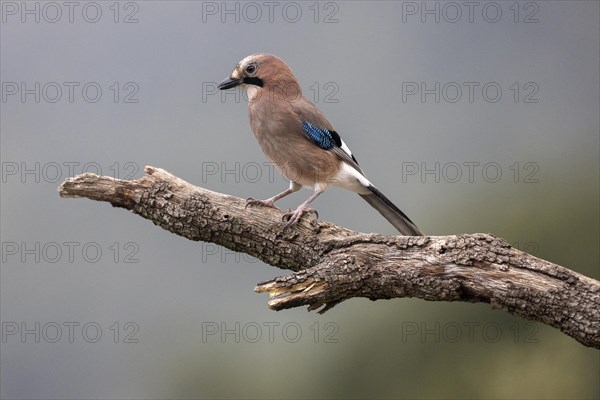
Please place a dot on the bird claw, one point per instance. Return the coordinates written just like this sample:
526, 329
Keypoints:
261, 203
291, 217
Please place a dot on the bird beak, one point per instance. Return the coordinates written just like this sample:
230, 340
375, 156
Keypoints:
229, 83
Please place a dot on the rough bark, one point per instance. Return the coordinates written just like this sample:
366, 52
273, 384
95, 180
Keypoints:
332, 264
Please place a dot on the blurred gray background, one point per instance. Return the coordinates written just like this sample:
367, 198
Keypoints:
99, 303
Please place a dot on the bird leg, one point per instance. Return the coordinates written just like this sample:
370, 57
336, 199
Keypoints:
293, 217
270, 202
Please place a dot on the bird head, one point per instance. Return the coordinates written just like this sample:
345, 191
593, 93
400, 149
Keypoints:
262, 71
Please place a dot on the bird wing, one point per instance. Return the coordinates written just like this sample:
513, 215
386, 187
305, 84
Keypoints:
321, 133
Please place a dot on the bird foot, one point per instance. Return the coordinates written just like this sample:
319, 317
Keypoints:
250, 202
291, 217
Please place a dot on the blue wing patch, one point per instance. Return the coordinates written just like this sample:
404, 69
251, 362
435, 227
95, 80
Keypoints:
321, 137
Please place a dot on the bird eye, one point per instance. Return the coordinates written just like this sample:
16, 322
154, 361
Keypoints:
250, 69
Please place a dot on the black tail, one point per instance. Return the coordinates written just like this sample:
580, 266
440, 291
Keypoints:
390, 212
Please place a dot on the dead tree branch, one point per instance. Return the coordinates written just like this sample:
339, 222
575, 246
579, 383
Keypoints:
332, 264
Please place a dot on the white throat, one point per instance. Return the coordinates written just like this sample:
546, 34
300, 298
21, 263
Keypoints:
252, 91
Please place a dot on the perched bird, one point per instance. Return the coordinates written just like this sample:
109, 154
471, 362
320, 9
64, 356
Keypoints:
301, 142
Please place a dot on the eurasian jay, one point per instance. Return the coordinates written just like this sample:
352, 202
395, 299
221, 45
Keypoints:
301, 142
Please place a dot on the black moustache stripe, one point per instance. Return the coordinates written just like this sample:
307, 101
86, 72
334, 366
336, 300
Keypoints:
254, 81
